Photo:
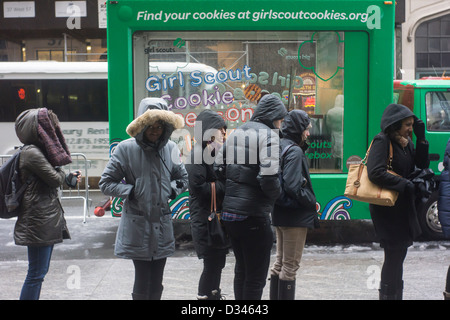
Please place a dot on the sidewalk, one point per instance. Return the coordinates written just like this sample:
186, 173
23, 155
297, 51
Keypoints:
336, 274
85, 268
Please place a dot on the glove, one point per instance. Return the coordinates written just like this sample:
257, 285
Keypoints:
409, 187
419, 129
179, 184
173, 195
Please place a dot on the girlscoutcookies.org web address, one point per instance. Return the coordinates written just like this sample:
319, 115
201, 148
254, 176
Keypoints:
371, 16
305, 15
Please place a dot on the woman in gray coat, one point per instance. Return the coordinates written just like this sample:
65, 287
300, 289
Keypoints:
153, 173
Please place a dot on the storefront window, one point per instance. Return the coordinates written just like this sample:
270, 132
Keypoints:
230, 71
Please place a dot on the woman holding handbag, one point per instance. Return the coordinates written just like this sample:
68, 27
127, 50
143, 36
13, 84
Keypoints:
204, 187
396, 226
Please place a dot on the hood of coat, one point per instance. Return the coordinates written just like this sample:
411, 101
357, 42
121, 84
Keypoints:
393, 113
150, 111
295, 122
209, 120
269, 109
26, 127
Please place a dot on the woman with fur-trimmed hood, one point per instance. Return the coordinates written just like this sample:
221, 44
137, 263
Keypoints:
150, 164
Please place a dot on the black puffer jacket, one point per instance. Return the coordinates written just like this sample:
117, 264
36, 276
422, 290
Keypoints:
41, 222
251, 168
201, 175
296, 179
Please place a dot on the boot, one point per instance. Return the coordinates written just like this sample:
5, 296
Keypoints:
386, 292
214, 295
139, 296
286, 290
274, 280
156, 293
446, 295
217, 295
399, 293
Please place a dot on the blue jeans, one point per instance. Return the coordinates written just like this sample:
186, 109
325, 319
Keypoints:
38, 264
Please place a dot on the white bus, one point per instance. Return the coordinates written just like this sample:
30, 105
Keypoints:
76, 91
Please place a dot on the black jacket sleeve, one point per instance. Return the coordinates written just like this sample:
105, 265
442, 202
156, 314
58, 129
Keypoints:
377, 165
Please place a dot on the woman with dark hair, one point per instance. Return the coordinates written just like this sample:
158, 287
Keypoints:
201, 177
397, 226
294, 215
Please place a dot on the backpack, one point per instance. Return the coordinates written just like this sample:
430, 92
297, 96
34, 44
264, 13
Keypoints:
11, 187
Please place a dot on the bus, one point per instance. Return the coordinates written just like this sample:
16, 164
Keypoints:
76, 91
333, 59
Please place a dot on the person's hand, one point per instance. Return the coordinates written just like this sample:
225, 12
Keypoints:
419, 129
77, 174
409, 187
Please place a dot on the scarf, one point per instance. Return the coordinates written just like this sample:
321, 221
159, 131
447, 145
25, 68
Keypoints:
52, 139
402, 141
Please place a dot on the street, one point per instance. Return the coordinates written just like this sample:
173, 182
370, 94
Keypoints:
85, 268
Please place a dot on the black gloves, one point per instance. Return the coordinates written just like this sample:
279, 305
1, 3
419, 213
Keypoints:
409, 188
419, 129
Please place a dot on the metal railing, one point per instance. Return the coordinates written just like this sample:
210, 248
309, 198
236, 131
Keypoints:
78, 192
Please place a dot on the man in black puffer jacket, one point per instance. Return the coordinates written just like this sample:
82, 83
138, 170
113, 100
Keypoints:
249, 161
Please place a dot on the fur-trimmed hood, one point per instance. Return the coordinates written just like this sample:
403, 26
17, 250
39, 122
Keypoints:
152, 110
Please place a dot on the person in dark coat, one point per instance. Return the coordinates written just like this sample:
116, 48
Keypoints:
444, 207
201, 175
292, 219
397, 226
41, 222
249, 160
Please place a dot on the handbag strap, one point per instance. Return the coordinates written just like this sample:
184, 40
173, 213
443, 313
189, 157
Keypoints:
391, 155
213, 197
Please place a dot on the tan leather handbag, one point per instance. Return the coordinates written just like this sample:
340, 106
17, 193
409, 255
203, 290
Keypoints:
360, 188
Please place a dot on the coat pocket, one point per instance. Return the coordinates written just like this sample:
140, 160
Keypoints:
132, 230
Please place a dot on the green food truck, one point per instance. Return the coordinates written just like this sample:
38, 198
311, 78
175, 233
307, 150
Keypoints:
333, 59
429, 98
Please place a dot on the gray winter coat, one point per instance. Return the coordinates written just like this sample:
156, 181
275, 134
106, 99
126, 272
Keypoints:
151, 172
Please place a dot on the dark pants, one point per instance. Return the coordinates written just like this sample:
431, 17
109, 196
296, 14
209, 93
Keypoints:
38, 264
148, 279
252, 241
392, 271
211, 275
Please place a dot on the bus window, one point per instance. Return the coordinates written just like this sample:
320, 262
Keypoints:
438, 108
71, 100
230, 71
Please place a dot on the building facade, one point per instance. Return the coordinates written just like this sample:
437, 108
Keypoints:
425, 39
53, 30
76, 31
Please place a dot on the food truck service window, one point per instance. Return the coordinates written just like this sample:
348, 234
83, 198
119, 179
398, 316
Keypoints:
230, 71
